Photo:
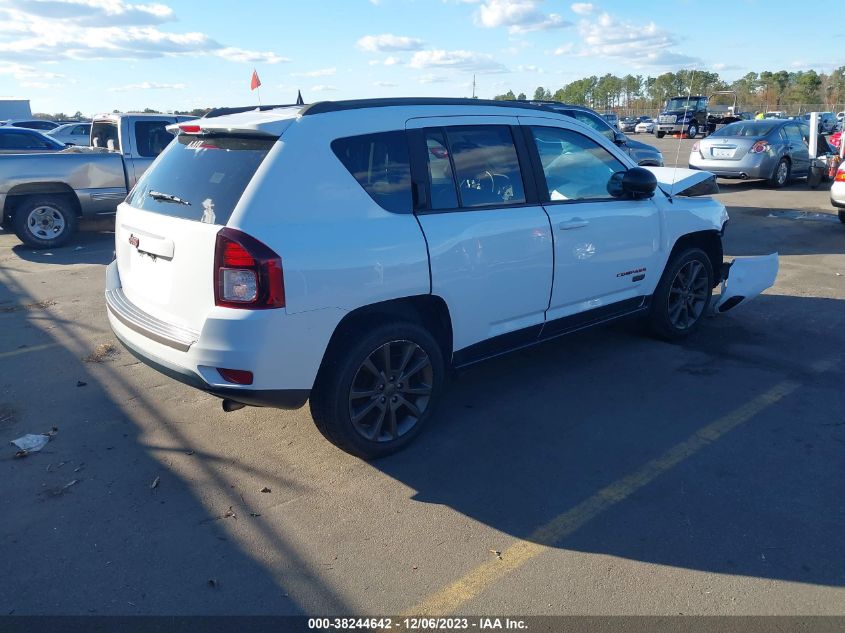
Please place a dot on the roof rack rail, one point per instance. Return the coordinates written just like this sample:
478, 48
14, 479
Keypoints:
216, 112
322, 107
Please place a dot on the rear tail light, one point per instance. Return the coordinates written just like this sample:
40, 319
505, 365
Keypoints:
190, 129
695, 146
840, 176
247, 274
759, 147
237, 376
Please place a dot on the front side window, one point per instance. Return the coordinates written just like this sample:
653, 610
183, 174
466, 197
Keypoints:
152, 137
575, 167
381, 165
486, 165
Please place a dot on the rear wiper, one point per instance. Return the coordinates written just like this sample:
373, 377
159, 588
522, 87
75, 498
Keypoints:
167, 197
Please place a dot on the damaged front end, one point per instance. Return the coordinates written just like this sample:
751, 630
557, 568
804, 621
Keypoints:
745, 278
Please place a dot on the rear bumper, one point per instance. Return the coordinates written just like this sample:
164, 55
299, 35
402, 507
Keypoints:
748, 167
837, 195
283, 351
276, 398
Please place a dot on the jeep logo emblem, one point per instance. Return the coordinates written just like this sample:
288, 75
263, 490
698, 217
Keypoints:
134, 241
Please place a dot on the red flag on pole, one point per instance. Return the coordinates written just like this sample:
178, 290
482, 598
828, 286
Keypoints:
256, 82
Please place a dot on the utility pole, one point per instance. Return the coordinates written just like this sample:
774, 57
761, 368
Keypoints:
473, 86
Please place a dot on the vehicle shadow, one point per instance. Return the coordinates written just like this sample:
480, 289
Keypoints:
93, 243
524, 443
127, 512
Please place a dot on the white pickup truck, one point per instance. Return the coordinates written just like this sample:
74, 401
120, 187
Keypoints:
43, 196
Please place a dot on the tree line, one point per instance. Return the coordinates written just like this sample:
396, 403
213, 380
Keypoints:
767, 89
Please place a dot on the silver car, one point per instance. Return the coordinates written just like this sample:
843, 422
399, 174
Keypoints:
72, 133
771, 149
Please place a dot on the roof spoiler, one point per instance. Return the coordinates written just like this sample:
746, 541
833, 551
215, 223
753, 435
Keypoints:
216, 112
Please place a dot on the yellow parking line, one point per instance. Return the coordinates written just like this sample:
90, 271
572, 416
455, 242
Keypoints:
26, 350
476, 581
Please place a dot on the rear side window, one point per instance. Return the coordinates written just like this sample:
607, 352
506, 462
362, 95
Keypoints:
152, 137
381, 165
200, 179
486, 165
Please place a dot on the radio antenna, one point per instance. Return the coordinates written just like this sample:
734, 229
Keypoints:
681, 135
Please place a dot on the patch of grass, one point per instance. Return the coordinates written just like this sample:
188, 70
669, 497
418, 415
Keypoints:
102, 353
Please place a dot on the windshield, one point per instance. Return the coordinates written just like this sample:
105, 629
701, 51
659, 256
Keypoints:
680, 103
200, 178
747, 128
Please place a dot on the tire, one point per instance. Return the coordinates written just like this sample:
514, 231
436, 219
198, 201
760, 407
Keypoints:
842, 216
780, 175
354, 373
45, 221
687, 282
692, 130
660, 134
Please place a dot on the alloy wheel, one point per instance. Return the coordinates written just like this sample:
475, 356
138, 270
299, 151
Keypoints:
688, 295
391, 391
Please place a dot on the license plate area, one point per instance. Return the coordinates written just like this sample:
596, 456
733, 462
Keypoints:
722, 152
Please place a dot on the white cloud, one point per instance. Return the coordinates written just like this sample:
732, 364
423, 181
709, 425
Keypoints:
565, 49
520, 16
583, 8
323, 88
148, 85
432, 79
467, 61
640, 45
387, 43
529, 68
384, 84
320, 72
391, 61
51, 30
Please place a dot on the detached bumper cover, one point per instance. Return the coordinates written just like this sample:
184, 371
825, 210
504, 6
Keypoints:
744, 279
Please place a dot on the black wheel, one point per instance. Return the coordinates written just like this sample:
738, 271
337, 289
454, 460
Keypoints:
692, 131
682, 296
780, 176
45, 221
842, 216
660, 134
375, 394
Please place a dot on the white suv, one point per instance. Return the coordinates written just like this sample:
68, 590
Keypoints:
353, 252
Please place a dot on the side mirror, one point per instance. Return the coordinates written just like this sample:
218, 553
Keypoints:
620, 139
636, 183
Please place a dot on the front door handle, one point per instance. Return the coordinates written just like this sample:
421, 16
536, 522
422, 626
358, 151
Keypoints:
574, 223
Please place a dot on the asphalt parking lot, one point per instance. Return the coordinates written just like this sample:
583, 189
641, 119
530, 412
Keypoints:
605, 473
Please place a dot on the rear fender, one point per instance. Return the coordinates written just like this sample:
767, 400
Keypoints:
744, 279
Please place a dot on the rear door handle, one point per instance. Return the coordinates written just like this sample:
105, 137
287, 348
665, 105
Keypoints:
574, 223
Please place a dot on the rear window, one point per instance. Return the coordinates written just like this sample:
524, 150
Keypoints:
747, 128
200, 179
104, 134
381, 165
152, 137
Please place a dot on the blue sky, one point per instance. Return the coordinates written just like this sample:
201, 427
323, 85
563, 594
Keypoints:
100, 55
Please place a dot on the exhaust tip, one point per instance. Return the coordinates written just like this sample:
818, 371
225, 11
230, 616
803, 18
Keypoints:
232, 405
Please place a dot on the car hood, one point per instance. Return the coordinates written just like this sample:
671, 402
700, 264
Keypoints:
678, 181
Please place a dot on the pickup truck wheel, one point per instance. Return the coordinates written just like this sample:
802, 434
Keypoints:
692, 131
375, 394
682, 296
660, 134
45, 222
